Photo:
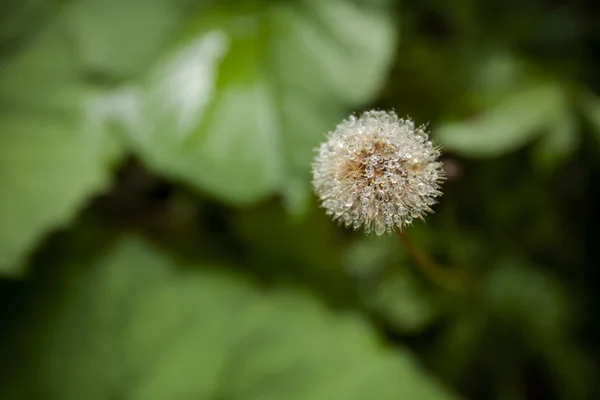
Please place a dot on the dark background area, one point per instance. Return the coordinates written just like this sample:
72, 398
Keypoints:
159, 238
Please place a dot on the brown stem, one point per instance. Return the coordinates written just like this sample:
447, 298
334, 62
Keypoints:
452, 280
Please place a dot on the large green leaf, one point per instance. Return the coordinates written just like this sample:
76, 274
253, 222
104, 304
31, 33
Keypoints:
54, 151
507, 126
119, 38
20, 20
237, 107
137, 325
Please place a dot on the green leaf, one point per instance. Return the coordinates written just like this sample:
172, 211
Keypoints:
507, 126
137, 325
19, 21
237, 107
54, 150
561, 141
118, 38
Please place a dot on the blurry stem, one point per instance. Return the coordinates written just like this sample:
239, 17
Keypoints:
452, 280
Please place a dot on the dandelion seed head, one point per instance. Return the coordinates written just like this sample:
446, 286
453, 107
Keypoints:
377, 172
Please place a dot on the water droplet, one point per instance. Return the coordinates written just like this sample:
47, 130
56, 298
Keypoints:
347, 219
387, 208
367, 191
364, 201
349, 201
398, 220
422, 136
379, 227
369, 171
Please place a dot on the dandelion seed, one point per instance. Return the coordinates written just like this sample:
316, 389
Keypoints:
379, 171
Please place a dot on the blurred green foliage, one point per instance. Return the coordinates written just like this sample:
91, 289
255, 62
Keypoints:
159, 238
136, 326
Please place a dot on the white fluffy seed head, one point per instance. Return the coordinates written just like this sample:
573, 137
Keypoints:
377, 172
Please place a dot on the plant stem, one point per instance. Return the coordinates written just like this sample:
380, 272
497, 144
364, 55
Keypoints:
456, 281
